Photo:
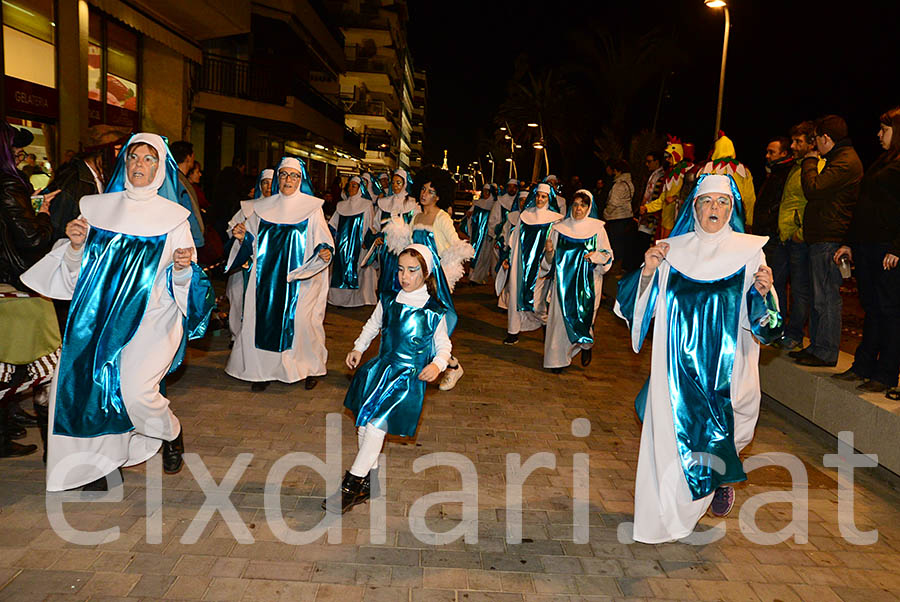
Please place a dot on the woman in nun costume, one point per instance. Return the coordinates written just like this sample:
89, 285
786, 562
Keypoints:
501, 247
128, 266
576, 257
289, 246
527, 233
394, 213
352, 284
710, 291
237, 280
372, 186
498, 215
479, 232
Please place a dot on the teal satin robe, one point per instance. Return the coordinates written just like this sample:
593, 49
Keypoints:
574, 280
348, 240
280, 250
704, 325
479, 233
531, 250
386, 390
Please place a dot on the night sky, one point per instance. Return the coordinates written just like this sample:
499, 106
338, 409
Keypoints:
788, 60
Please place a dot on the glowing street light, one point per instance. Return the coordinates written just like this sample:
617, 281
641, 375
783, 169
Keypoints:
502, 128
533, 125
721, 4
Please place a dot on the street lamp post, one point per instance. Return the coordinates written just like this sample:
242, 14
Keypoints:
721, 4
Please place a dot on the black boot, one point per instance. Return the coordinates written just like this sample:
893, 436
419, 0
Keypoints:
172, 453
354, 491
585, 357
259, 386
102, 484
8, 447
43, 415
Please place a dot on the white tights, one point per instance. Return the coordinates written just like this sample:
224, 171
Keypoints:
370, 439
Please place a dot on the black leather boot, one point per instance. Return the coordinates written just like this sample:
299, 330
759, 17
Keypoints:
354, 491
8, 447
586, 357
19, 417
172, 453
102, 484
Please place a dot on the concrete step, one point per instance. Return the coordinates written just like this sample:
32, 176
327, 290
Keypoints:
834, 405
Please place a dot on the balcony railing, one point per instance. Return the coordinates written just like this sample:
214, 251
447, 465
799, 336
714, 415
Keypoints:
261, 82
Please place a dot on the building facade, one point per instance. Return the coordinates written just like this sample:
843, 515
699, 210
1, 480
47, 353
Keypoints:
237, 78
378, 89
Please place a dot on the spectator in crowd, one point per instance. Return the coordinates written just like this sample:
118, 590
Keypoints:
831, 196
183, 153
649, 222
81, 176
779, 161
790, 255
21, 139
28, 347
874, 247
228, 192
618, 212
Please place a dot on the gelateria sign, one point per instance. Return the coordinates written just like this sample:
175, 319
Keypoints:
30, 98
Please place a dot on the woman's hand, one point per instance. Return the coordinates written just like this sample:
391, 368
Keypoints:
654, 256
548, 247
429, 372
762, 280
182, 258
842, 251
239, 231
378, 242
506, 264
325, 254
48, 198
353, 358
890, 261
76, 230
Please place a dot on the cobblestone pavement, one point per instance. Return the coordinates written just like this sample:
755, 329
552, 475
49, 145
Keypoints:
505, 404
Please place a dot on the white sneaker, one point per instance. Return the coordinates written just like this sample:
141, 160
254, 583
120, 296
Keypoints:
451, 377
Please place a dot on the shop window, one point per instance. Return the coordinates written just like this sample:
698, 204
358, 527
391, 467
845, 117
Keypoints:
112, 73
29, 39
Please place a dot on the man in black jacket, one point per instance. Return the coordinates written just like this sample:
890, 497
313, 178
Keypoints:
82, 176
831, 196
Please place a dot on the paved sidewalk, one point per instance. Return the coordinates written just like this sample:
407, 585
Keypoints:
504, 404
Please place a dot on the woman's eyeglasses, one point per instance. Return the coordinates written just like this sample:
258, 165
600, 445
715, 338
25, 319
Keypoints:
286, 175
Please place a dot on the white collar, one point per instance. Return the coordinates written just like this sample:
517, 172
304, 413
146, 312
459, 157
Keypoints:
353, 205
119, 212
416, 298
712, 257
536, 217
579, 228
485, 202
293, 209
396, 204
506, 201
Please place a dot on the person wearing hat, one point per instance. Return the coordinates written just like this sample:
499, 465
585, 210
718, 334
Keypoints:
576, 256
502, 249
527, 292
289, 247
710, 292
236, 285
129, 267
352, 283
387, 392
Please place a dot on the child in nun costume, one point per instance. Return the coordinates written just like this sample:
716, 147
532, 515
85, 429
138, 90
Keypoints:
129, 268
352, 283
237, 280
710, 292
576, 257
289, 246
